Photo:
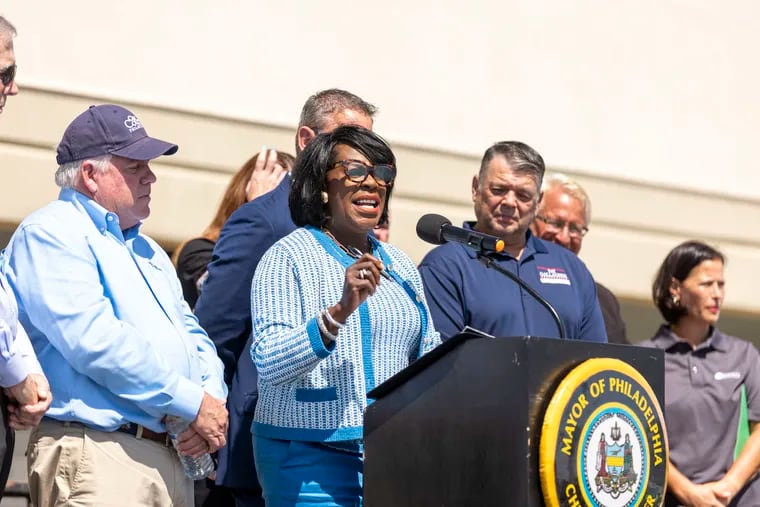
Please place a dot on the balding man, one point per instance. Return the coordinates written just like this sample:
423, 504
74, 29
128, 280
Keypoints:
28, 393
563, 217
7, 62
224, 306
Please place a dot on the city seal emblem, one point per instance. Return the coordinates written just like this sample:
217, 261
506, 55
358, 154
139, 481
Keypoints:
603, 440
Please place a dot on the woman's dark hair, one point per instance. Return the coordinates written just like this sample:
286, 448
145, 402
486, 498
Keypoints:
312, 164
677, 265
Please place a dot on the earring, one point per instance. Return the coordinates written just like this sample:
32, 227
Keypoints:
675, 300
325, 197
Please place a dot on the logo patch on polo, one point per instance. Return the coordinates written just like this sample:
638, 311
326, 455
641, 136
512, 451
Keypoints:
603, 440
555, 276
719, 375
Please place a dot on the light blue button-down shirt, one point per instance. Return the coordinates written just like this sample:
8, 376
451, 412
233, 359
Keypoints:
17, 359
105, 314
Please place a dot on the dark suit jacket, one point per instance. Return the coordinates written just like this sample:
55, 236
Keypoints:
224, 311
613, 320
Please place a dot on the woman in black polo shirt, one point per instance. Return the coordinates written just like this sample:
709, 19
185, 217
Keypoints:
712, 385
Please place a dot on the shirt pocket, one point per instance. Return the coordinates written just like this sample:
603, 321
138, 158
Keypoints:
314, 395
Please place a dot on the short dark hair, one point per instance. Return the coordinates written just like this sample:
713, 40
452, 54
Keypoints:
677, 265
312, 164
520, 156
328, 102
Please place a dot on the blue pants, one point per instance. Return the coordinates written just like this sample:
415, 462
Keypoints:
306, 474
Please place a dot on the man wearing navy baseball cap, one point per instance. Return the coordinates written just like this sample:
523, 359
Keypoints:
104, 310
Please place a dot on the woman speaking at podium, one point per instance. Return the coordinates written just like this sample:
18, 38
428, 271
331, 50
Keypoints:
712, 386
335, 312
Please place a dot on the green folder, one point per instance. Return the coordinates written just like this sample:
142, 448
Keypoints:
742, 432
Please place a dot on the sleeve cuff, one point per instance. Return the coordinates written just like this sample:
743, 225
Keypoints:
216, 387
17, 368
315, 338
187, 399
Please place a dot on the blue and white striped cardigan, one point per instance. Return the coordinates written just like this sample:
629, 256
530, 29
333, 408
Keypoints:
309, 392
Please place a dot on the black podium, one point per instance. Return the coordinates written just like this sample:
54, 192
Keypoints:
461, 426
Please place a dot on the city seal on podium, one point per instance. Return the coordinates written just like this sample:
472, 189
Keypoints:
603, 440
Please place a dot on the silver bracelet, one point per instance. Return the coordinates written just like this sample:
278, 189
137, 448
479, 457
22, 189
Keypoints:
331, 320
323, 328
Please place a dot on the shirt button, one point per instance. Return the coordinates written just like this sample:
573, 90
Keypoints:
419, 299
109, 218
694, 369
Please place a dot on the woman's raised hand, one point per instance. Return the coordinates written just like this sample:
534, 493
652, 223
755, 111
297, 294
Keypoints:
266, 175
361, 281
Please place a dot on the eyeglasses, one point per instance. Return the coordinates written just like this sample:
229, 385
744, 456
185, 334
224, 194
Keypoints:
8, 74
573, 230
357, 172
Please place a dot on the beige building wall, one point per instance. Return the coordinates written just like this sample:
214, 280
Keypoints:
657, 120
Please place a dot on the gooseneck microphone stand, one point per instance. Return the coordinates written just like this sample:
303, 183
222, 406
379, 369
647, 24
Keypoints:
491, 263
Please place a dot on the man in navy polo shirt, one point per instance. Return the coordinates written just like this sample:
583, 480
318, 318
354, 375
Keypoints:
462, 291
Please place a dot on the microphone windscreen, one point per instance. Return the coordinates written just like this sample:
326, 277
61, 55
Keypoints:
430, 228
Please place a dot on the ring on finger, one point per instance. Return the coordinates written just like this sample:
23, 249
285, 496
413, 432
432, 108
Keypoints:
362, 273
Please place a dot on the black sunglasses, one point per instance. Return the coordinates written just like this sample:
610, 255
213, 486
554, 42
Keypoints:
8, 74
357, 172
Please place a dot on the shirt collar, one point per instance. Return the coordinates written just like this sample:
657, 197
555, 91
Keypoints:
534, 243
665, 339
103, 219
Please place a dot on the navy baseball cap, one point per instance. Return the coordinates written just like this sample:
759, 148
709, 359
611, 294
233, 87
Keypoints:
109, 129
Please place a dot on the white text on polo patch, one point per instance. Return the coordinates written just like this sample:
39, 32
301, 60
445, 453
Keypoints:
719, 375
552, 275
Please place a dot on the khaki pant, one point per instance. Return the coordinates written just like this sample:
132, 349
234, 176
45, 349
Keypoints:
72, 465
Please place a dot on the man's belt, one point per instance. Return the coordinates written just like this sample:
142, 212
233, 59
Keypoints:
141, 432
136, 430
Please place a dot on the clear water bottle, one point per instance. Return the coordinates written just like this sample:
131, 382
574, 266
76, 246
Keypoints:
195, 468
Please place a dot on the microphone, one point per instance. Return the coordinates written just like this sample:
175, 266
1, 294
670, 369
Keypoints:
437, 229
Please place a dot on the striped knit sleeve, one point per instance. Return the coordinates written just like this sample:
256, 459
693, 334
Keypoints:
286, 343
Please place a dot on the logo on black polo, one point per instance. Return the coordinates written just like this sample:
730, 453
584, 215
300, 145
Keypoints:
603, 439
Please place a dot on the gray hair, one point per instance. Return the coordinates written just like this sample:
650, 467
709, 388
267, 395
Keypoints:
67, 175
571, 187
322, 104
522, 158
7, 30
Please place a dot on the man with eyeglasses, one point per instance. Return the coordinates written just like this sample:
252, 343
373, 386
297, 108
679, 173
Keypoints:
564, 213
224, 306
28, 393
461, 291
7, 62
